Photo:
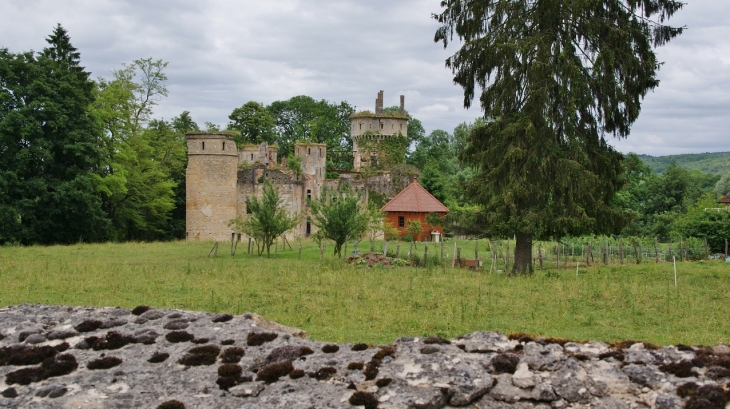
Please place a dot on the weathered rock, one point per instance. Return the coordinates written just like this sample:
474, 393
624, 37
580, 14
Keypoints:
643, 375
482, 342
543, 358
411, 373
569, 382
247, 389
523, 377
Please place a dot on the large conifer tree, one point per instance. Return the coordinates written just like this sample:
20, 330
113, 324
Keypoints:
49, 147
555, 77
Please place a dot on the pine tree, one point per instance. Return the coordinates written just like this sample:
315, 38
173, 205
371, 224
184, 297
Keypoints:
556, 77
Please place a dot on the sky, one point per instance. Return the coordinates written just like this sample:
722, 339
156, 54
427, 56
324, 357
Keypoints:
224, 53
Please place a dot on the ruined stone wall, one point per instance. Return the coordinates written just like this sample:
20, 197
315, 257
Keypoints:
77, 357
383, 125
210, 186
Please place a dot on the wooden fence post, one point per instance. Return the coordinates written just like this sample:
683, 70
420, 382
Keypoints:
458, 256
621, 250
506, 257
425, 255
442, 252
539, 255
707, 252
385, 249
656, 249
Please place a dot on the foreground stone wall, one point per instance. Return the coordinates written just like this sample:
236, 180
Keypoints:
75, 357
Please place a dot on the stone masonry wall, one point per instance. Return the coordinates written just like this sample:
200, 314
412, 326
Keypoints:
210, 187
77, 357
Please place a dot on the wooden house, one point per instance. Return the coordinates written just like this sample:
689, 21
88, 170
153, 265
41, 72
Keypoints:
414, 203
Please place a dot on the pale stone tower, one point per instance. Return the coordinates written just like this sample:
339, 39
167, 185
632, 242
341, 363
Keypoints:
368, 126
211, 186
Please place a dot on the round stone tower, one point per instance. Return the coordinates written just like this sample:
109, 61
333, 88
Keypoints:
367, 128
210, 186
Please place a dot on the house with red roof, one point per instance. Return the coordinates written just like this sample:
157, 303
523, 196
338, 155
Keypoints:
414, 203
725, 200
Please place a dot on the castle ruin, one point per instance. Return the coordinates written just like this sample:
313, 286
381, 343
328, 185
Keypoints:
220, 175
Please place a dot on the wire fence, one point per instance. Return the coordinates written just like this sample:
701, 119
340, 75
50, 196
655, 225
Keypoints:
498, 253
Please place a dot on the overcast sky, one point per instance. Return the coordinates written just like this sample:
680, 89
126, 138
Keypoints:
223, 53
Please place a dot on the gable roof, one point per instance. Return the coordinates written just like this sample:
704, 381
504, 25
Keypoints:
725, 200
414, 198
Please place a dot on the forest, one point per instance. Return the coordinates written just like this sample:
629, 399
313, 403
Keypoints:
86, 159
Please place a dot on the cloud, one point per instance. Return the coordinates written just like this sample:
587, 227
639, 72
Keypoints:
223, 53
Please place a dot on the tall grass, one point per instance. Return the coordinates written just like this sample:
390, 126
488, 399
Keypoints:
334, 301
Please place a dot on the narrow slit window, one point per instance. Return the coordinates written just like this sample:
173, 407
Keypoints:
203, 145
224, 146
401, 221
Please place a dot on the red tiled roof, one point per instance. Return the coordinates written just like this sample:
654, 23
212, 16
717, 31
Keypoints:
416, 199
725, 200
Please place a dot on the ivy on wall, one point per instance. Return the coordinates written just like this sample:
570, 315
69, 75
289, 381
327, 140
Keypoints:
391, 149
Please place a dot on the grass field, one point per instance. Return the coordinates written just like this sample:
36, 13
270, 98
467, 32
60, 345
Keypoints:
336, 302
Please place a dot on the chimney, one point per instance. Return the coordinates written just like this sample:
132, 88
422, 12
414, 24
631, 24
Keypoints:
379, 103
402, 104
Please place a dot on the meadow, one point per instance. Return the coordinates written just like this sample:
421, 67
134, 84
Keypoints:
338, 302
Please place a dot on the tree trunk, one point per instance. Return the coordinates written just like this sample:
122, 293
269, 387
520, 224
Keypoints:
523, 254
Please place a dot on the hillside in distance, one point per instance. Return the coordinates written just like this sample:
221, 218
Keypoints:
717, 163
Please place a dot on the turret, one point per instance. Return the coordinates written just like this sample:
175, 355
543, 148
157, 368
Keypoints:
210, 182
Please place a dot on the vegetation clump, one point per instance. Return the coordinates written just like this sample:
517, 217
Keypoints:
383, 352
179, 336
255, 339
88, 326
521, 337
112, 340
330, 348
158, 357
200, 341
104, 363
617, 355
228, 342
355, 366
229, 375
9, 393
628, 343
371, 370
383, 382
232, 355
51, 367
202, 355
272, 372
171, 404
436, 340
296, 374
222, 318
505, 363
708, 397
682, 369
367, 399
141, 309
323, 373
359, 347
25, 355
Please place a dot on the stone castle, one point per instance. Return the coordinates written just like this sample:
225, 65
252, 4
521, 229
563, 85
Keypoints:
220, 175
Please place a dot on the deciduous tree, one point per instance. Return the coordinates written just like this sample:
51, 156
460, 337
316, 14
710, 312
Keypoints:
268, 218
339, 214
555, 77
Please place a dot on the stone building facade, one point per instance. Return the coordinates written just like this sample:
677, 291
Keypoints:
221, 176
